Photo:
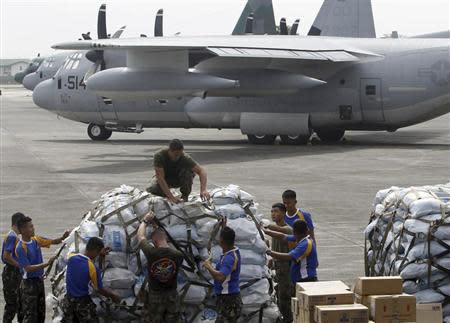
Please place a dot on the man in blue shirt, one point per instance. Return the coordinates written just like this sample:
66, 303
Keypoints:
303, 257
293, 213
11, 276
226, 277
81, 273
29, 255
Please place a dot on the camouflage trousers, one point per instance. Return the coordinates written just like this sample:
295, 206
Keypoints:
79, 310
161, 307
229, 308
283, 290
11, 279
32, 297
184, 182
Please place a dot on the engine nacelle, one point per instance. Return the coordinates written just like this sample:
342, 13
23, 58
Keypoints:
124, 83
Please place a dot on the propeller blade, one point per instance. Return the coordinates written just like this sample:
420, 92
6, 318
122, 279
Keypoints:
87, 36
294, 27
118, 33
249, 24
159, 23
101, 23
283, 27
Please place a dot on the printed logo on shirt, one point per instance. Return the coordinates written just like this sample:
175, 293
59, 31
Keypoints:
163, 270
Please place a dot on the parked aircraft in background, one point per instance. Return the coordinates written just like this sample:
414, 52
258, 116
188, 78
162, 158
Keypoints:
264, 85
32, 67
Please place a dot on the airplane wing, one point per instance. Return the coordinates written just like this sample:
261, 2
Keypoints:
161, 67
254, 47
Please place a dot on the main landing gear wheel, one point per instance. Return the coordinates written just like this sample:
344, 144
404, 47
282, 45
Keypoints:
261, 139
98, 133
330, 135
294, 140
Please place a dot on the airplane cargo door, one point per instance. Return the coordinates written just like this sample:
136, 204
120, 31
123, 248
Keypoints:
371, 100
106, 109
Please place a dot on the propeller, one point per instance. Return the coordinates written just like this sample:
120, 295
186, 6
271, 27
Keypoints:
283, 27
249, 24
101, 23
118, 33
294, 27
159, 23
97, 56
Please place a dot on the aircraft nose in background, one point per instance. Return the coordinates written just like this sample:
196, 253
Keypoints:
43, 95
30, 81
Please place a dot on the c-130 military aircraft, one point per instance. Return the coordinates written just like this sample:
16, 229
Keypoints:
266, 86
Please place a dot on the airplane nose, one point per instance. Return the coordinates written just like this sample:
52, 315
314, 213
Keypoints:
43, 95
18, 77
30, 81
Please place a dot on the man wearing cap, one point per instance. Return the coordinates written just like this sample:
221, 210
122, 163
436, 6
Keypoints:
176, 169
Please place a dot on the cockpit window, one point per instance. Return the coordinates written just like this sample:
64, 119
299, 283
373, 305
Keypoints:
73, 61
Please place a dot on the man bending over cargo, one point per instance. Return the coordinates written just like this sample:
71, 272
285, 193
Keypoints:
81, 273
176, 169
162, 301
226, 277
303, 257
283, 288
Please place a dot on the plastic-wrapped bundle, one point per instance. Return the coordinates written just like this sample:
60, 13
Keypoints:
409, 235
193, 229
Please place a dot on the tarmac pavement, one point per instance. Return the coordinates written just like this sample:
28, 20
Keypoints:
52, 171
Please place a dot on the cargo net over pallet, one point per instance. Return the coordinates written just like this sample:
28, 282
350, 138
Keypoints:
409, 235
192, 228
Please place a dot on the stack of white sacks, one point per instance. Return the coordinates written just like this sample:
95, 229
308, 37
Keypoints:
409, 235
194, 228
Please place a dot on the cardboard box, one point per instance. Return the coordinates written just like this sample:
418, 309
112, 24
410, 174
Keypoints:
294, 306
308, 299
365, 286
429, 313
393, 308
322, 285
355, 313
364, 300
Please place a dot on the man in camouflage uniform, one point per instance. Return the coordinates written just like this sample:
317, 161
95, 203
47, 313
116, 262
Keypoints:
176, 169
11, 276
226, 277
282, 268
162, 303
82, 272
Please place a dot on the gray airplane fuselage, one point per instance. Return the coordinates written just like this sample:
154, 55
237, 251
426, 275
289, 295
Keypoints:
411, 84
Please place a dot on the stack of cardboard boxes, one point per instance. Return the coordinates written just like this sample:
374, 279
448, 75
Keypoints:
384, 298
379, 299
327, 302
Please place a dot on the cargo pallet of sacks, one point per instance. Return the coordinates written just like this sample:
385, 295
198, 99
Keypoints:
192, 228
409, 235
372, 299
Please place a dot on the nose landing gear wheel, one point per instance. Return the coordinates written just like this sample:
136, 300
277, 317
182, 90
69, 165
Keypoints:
330, 135
294, 140
98, 133
261, 139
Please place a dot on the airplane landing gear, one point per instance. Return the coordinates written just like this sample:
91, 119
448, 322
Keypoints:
261, 139
294, 140
330, 135
98, 133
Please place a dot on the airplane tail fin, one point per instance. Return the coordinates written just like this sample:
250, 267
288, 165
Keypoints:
344, 18
264, 18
